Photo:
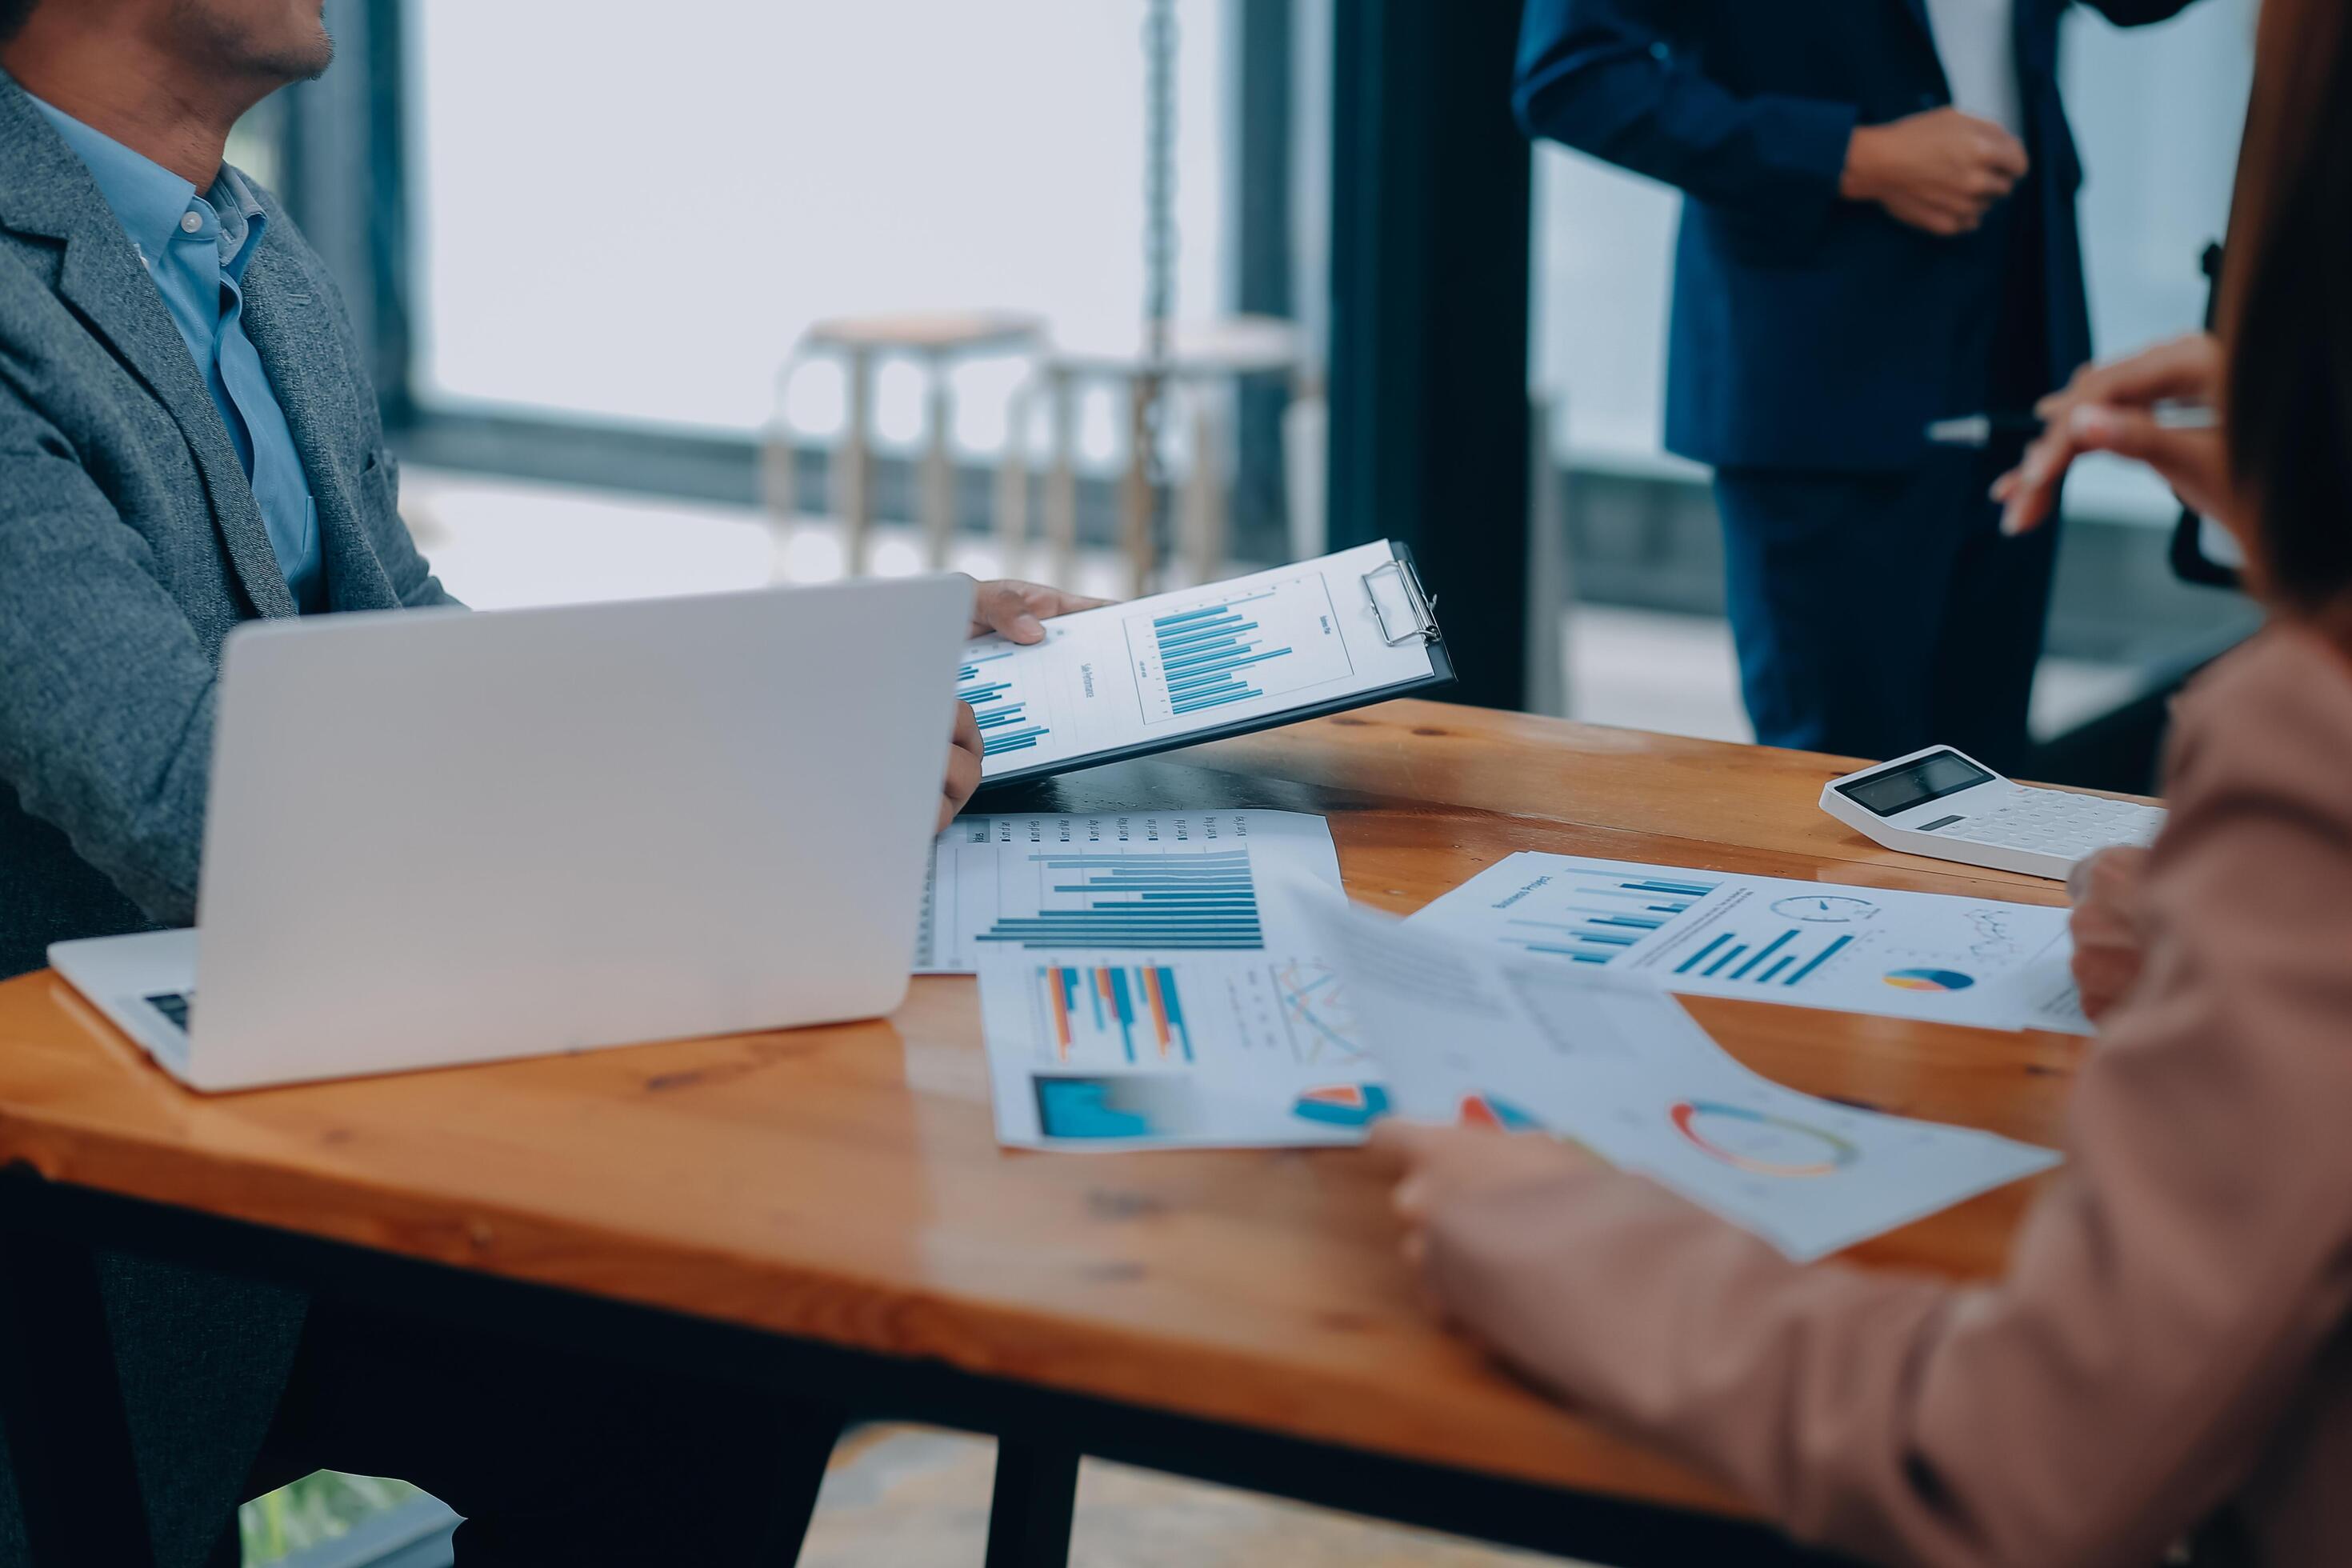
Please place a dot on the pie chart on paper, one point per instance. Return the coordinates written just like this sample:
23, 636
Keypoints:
1930, 980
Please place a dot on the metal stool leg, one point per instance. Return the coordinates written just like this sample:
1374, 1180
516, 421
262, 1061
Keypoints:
1061, 505
853, 490
939, 467
1029, 1514
76, 1485
1136, 500
1012, 488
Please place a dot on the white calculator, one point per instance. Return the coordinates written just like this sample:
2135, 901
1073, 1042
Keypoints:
1938, 802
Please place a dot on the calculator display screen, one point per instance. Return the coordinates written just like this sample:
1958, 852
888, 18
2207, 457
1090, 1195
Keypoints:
1930, 778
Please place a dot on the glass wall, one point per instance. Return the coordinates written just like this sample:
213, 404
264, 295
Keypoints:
2156, 111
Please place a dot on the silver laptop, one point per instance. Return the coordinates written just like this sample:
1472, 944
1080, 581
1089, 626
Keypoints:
442, 837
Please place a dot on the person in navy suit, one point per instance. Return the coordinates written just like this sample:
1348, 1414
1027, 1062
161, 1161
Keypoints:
1879, 231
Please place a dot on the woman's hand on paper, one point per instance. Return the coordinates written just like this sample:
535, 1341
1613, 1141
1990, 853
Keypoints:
1439, 1166
2110, 890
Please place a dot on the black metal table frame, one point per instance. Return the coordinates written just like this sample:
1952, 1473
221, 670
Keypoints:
67, 1434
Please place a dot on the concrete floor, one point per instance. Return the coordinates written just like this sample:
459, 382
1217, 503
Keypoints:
915, 1497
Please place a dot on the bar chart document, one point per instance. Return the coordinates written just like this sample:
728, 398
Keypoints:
1810, 944
1141, 677
1467, 1032
1120, 884
1200, 1050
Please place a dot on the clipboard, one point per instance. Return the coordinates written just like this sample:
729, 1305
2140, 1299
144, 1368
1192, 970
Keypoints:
1403, 611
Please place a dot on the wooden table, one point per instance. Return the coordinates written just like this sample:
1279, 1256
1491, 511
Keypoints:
827, 1209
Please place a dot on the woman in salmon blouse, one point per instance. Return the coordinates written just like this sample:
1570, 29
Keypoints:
2168, 1357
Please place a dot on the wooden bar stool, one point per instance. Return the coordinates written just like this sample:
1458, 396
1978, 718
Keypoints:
936, 341
1202, 356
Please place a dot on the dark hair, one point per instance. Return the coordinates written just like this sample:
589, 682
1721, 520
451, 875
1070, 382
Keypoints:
2286, 309
13, 15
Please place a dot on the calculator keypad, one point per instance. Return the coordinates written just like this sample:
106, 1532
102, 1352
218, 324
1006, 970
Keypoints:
2053, 822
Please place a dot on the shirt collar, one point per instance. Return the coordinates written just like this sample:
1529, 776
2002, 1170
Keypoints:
241, 221
148, 199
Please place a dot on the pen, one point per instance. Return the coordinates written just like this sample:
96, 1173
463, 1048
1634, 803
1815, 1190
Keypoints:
1979, 429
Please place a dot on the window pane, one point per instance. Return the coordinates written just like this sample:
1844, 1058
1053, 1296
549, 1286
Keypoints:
644, 232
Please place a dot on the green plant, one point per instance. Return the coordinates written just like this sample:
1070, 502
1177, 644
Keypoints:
319, 1507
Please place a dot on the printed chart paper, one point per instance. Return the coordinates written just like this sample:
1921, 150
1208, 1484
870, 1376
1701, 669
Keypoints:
1195, 1051
1204, 659
1120, 885
1467, 1033
1810, 944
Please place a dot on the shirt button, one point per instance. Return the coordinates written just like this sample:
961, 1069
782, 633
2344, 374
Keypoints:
190, 223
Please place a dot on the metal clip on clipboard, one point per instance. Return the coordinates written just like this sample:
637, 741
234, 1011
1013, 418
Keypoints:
1416, 599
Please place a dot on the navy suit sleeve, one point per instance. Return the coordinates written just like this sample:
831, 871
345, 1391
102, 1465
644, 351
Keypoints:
1605, 78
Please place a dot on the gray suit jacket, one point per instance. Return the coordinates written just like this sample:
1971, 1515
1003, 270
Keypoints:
130, 545
129, 542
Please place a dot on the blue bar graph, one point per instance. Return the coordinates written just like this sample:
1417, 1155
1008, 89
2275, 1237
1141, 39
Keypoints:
1136, 902
1695, 959
1590, 916
1767, 951
1208, 658
1774, 963
1818, 960
1594, 920
1004, 724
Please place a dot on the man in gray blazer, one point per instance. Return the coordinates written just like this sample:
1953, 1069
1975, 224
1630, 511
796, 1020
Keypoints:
188, 439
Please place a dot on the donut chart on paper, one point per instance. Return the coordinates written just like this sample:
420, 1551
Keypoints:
1759, 1144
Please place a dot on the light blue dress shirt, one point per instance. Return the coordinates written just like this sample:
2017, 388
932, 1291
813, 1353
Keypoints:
197, 249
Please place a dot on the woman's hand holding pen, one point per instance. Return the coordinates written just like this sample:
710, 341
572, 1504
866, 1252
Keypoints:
2113, 408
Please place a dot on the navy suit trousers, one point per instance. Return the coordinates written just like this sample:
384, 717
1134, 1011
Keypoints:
1877, 613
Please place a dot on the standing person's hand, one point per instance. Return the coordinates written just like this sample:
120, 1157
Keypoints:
1941, 171
2110, 890
2111, 407
1018, 611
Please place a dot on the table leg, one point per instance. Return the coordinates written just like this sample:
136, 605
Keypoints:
1029, 1514
68, 1442
801, 1471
